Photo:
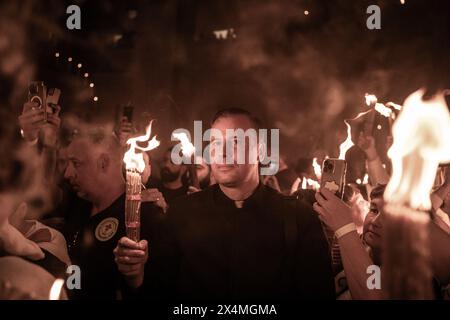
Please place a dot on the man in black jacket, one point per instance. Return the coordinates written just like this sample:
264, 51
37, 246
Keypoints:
238, 239
94, 170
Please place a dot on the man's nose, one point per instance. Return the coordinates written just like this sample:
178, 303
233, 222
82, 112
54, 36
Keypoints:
68, 173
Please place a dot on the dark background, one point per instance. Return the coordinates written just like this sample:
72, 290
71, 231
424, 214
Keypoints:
301, 73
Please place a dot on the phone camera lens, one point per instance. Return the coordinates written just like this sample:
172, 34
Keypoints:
328, 167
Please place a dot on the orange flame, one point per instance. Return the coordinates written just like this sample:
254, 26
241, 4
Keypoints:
133, 160
55, 291
372, 101
347, 144
420, 143
304, 181
314, 184
317, 169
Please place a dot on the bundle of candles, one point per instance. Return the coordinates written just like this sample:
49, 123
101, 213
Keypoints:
135, 165
133, 204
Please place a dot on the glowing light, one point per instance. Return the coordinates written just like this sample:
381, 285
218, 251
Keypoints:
57, 55
55, 291
306, 12
394, 106
133, 160
379, 127
79, 66
371, 99
358, 181
69, 59
304, 186
86, 75
91, 84
314, 184
347, 144
366, 179
95, 99
295, 185
421, 142
402, 1
317, 169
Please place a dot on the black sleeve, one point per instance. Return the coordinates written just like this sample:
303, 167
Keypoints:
313, 267
161, 270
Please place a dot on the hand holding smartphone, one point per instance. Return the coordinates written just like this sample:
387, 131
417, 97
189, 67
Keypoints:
333, 176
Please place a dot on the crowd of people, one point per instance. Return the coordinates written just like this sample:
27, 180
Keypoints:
239, 236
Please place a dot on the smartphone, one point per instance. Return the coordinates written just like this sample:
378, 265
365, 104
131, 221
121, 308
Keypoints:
333, 176
53, 95
128, 112
37, 93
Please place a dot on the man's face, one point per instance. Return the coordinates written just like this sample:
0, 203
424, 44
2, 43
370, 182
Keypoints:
373, 227
82, 169
232, 174
170, 171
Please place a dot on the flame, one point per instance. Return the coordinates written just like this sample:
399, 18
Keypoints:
295, 185
383, 110
347, 144
55, 291
420, 143
366, 179
133, 160
313, 183
371, 99
394, 106
317, 169
304, 183
187, 148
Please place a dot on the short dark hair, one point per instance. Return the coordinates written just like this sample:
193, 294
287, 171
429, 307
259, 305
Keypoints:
223, 113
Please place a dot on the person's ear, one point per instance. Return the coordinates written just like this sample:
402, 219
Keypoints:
103, 162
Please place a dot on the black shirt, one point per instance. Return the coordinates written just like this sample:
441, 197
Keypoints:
92, 242
210, 250
169, 194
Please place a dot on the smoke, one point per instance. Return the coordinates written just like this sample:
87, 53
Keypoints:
305, 74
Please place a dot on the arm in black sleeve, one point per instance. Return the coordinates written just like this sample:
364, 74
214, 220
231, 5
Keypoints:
313, 266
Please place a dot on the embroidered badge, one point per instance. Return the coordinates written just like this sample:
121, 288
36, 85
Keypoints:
106, 229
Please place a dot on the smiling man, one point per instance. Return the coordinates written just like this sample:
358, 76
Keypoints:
239, 239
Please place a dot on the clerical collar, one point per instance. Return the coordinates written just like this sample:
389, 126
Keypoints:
254, 200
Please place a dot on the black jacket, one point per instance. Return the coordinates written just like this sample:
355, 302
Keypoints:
91, 244
272, 248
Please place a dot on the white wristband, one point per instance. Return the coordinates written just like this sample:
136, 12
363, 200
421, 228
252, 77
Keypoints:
342, 231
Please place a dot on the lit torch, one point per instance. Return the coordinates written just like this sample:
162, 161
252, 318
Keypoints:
135, 165
372, 102
420, 134
188, 150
